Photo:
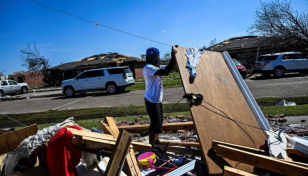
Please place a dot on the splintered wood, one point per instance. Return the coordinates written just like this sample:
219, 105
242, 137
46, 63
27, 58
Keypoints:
218, 87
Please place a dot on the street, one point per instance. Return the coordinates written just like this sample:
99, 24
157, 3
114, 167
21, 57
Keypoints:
290, 86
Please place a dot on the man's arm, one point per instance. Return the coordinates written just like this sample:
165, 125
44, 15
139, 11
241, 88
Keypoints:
169, 67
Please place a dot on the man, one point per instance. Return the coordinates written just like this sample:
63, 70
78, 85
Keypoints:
153, 94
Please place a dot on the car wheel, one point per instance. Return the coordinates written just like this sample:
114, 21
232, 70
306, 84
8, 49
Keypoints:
69, 92
279, 72
24, 90
111, 88
1, 93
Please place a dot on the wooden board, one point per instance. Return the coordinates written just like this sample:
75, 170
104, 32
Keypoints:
229, 171
130, 164
10, 141
218, 87
176, 143
165, 127
261, 161
116, 161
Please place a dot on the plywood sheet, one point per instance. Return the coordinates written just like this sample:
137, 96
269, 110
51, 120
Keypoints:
218, 87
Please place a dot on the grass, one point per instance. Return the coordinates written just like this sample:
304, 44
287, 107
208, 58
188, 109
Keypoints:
89, 118
83, 114
172, 80
272, 101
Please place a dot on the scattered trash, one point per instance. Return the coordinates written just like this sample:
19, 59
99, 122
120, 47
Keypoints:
285, 103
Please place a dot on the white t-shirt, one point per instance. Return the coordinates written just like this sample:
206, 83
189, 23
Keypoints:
153, 84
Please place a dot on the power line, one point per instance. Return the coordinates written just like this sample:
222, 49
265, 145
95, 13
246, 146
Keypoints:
97, 24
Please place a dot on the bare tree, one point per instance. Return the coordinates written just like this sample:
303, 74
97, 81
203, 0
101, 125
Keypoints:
35, 62
1, 73
280, 24
213, 42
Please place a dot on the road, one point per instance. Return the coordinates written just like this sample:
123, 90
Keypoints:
289, 86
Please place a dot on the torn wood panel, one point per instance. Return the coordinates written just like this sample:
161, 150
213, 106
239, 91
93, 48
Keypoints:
119, 153
107, 130
218, 87
165, 127
264, 162
247, 149
10, 141
175, 143
229, 171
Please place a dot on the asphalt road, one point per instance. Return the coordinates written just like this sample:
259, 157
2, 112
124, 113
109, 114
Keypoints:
289, 86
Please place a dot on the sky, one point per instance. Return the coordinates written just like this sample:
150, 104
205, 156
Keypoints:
62, 38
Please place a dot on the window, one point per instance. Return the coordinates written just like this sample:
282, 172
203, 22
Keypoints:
288, 57
300, 56
95, 73
12, 83
127, 70
83, 75
267, 58
115, 71
3, 83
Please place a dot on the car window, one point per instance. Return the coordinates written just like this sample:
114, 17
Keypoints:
267, 58
95, 73
127, 70
236, 62
289, 57
3, 83
12, 83
300, 56
115, 71
83, 75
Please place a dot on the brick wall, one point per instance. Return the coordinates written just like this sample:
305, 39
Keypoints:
139, 72
33, 79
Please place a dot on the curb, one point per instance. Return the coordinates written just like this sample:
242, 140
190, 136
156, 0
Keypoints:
29, 97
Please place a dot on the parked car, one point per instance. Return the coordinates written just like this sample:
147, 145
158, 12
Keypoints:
241, 68
112, 79
12, 87
279, 63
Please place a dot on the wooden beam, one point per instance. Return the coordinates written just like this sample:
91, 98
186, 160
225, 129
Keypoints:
174, 143
112, 125
247, 149
229, 171
10, 141
130, 162
165, 127
264, 162
296, 152
116, 161
179, 150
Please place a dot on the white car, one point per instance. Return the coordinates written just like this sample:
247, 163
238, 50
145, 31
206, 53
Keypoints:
12, 87
279, 63
112, 79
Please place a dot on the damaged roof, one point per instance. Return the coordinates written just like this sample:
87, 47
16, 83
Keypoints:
237, 43
99, 59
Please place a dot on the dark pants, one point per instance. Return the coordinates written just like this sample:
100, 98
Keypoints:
155, 111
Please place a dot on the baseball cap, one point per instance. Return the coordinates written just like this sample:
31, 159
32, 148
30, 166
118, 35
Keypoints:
152, 50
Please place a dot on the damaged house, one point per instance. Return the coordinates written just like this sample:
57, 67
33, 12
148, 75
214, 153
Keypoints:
72, 69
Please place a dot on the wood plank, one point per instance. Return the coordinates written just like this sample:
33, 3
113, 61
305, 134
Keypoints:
2, 131
116, 161
296, 152
165, 127
130, 162
247, 149
92, 134
179, 150
175, 143
229, 171
112, 125
10, 141
218, 87
261, 161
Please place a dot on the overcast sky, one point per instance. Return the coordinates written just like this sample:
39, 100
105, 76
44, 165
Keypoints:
62, 38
